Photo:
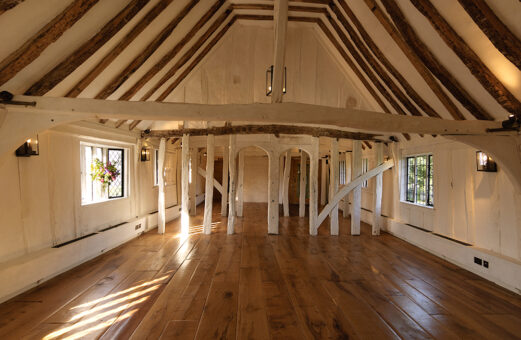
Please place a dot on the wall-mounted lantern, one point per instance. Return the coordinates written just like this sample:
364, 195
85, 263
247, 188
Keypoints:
31, 147
145, 154
485, 163
269, 81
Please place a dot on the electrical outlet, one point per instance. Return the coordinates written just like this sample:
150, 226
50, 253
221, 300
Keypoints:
138, 226
485, 264
478, 261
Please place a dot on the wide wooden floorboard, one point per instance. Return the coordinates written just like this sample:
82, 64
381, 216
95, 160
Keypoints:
252, 285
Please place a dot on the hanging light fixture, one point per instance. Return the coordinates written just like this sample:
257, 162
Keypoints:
31, 147
269, 81
485, 163
145, 154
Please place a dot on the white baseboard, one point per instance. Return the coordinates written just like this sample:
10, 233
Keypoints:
23, 273
502, 270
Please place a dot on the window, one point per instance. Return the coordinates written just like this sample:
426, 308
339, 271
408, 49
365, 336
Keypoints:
342, 172
419, 186
93, 190
156, 167
365, 167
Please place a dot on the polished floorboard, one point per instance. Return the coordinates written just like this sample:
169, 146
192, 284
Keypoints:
251, 285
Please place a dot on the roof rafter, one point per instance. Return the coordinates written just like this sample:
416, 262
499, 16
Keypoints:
415, 60
109, 58
497, 32
78, 57
135, 64
6, 5
367, 70
432, 63
482, 73
192, 52
170, 55
33, 47
387, 64
374, 64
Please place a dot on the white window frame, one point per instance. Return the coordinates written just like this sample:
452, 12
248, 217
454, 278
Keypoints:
404, 174
84, 172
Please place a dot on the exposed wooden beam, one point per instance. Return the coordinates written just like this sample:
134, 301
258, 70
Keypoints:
133, 124
415, 60
368, 144
135, 64
352, 66
432, 63
366, 68
263, 129
422, 104
373, 63
71, 109
190, 53
269, 7
78, 57
109, 58
33, 47
482, 73
280, 26
120, 122
170, 55
6, 5
498, 33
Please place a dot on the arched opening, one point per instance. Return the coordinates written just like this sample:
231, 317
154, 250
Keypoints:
252, 180
294, 186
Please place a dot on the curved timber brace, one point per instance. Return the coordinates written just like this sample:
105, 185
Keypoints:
504, 149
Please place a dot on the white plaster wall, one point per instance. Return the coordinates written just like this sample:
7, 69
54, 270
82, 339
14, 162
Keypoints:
474, 207
41, 204
256, 179
313, 74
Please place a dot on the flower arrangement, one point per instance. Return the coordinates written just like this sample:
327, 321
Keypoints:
104, 173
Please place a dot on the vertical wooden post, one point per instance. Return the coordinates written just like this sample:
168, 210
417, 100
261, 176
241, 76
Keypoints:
377, 209
280, 23
194, 159
273, 193
348, 179
161, 223
333, 185
185, 159
303, 179
285, 189
281, 178
356, 204
323, 181
233, 184
240, 185
224, 194
208, 195
136, 187
313, 186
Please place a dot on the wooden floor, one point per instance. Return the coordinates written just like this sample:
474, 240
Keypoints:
252, 285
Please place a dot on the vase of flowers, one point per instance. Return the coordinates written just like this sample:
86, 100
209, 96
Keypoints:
105, 173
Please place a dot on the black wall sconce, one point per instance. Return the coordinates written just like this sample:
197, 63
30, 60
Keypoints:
269, 81
31, 147
485, 163
145, 154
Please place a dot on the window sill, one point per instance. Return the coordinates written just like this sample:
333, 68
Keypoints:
83, 204
418, 205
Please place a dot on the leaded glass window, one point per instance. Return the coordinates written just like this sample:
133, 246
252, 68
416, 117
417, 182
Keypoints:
419, 186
